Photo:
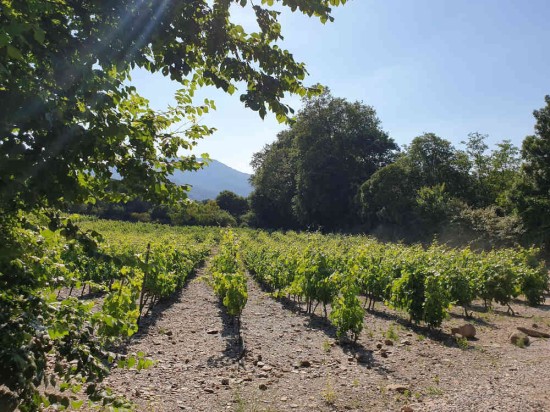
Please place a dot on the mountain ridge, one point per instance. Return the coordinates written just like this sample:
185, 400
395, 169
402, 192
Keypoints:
212, 179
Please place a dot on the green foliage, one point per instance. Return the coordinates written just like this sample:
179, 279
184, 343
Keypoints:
201, 214
437, 300
487, 227
38, 325
228, 277
459, 276
339, 145
310, 176
424, 283
433, 160
274, 182
379, 204
369, 267
313, 278
533, 192
418, 187
232, 203
85, 102
391, 333
497, 279
236, 294
408, 293
433, 204
433, 188
534, 277
347, 314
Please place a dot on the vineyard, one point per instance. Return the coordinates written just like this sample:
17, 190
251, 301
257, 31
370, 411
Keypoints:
106, 283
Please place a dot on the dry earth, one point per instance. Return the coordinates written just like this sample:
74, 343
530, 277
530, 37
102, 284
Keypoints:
293, 363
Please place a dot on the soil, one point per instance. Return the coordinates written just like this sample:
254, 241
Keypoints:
293, 362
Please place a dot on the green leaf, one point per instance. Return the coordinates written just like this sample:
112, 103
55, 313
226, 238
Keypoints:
14, 53
39, 35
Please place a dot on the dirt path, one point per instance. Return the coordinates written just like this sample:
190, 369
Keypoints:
293, 363
188, 337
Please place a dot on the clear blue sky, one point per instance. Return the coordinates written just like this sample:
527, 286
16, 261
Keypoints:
448, 67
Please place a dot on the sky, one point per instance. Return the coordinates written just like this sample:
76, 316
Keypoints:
441, 66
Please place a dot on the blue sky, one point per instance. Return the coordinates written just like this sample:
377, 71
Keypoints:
448, 67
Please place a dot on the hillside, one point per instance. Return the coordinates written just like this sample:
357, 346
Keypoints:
213, 179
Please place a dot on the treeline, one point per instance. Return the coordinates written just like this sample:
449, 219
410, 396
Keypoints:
336, 169
228, 209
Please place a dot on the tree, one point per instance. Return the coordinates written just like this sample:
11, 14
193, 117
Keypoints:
433, 160
73, 114
387, 197
504, 174
73, 117
274, 182
231, 202
206, 213
493, 175
339, 145
423, 179
533, 195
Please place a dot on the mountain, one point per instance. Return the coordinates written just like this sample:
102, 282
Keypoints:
212, 179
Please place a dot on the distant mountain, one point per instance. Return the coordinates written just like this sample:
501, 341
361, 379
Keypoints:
212, 179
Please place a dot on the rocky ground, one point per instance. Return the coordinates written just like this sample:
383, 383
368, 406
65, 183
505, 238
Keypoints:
293, 363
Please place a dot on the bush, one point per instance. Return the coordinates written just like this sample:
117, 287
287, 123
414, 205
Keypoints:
140, 217
202, 214
489, 225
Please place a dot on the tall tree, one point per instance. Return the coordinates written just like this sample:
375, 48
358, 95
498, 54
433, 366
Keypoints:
533, 198
274, 182
433, 160
413, 191
339, 145
388, 196
494, 174
504, 174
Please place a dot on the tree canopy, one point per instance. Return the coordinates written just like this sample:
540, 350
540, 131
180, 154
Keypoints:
311, 174
232, 203
533, 197
73, 114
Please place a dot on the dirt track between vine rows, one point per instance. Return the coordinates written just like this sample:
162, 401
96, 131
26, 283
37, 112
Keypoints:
293, 362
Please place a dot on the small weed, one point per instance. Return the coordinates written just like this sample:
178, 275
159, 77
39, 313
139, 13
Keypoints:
240, 403
326, 346
434, 390
369, 332
436, 379
355, 404
391, 333
420, 337
521, 342
462, 342
355, 382
480, 349
328, 394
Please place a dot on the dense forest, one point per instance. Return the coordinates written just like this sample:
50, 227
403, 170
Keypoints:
335, 169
